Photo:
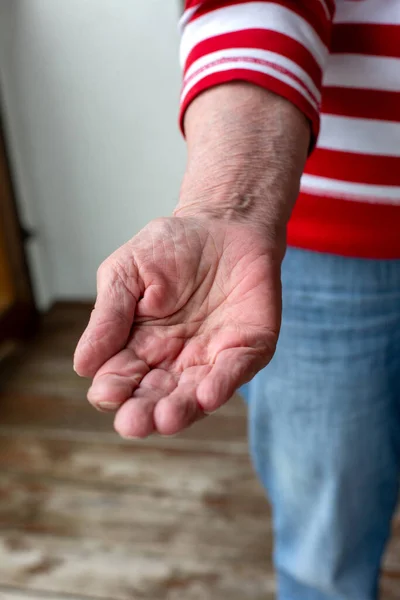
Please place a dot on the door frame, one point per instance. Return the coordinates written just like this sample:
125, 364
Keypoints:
17, 321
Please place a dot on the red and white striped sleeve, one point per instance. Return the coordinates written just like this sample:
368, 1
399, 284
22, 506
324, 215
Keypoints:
280, 45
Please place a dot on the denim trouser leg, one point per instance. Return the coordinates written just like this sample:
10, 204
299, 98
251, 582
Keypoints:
325, 425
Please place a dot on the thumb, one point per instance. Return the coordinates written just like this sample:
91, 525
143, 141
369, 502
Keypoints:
111, 319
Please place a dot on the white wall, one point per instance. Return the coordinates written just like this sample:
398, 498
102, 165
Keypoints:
91, 91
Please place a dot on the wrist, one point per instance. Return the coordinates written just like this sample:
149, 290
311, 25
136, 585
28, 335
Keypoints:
246, 152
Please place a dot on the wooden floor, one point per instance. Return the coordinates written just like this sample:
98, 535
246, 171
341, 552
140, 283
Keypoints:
85, 515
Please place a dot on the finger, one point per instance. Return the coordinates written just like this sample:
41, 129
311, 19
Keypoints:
135, 417
111, 320
116, 380
232, 368
180, 409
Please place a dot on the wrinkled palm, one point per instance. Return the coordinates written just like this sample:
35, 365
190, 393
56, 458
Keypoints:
186, 312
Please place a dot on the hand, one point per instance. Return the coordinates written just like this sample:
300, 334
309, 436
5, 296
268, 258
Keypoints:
186, 312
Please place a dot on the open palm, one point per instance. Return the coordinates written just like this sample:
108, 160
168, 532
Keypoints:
187, 311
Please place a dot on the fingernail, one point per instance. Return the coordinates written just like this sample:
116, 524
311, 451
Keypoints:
133, 438
106, 406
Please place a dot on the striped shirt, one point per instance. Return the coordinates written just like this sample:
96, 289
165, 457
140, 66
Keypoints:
339, 63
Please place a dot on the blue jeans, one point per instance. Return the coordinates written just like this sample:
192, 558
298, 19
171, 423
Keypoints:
324, 421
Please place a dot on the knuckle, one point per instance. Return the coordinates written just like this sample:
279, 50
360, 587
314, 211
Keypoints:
123, 269
103, 270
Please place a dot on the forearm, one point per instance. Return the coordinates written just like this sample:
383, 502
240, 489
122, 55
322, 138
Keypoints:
246, 152
252, 76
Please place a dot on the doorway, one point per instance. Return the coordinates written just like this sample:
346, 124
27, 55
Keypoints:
17, 308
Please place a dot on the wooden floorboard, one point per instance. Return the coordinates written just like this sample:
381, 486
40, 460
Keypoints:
128, 466
12, 593
87, 516
56, 412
